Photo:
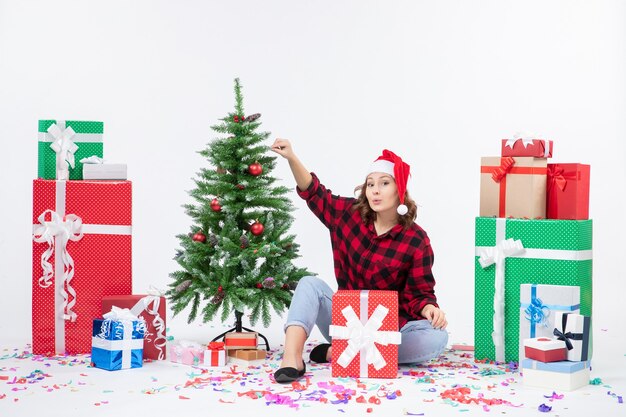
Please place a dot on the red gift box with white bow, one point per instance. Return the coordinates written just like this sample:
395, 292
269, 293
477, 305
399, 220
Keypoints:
521, 146
365, 334
81, 252
150, 308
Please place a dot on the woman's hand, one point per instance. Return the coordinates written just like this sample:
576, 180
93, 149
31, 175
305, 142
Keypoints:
283, 148
435, 316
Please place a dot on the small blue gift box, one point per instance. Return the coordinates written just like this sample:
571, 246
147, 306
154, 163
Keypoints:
117, 344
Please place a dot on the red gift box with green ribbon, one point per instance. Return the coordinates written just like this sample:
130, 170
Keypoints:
82, 251
568, 191
365, 334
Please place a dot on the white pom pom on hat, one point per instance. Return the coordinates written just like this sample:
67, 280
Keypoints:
392, 164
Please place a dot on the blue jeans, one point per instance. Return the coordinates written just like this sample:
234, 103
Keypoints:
311, 305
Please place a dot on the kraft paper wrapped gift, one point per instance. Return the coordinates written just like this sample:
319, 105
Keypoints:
544, 349
117, 341
186, 352
215, 354
365, 334
568, 191
538, 148
248, 354
556, 376
150, 308
539, 305
513, 187
511, 252
240, 340
82, 251
63, 143
575, 331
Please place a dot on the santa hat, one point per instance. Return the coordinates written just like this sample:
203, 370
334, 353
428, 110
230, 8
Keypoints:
392, 164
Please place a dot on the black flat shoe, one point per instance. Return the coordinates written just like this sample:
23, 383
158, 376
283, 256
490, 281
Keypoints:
288, 374
318, 354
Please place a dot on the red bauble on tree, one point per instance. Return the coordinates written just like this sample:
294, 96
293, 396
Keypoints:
259, 285
220, 289
255, 169
199, 237
257, 228
215, 205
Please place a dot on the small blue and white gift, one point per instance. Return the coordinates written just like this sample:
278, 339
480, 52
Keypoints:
117, 340
539, 304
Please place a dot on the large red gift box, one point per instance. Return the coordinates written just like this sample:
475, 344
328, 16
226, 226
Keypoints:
365, 334
539, 148
81, 253
151, 308
568, 191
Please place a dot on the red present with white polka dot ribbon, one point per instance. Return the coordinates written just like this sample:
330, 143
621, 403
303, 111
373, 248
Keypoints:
81, 252
365, 334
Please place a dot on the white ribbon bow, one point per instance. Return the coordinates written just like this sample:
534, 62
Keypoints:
362, 337
63, 145
526, 139
497, 255
118, 313
58, 232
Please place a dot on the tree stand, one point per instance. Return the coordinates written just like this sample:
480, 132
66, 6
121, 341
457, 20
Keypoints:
238, 328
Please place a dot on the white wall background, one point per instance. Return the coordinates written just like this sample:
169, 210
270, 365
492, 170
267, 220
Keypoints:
440, 83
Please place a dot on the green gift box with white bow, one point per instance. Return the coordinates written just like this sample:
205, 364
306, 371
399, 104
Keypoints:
63, 143
511, 252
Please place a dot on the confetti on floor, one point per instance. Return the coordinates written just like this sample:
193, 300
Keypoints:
453, 382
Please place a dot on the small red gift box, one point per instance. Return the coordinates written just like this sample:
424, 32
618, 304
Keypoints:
215, 355
151, 309
82, 248
538, 148
545, 349
365, 334
240, 340
568, 191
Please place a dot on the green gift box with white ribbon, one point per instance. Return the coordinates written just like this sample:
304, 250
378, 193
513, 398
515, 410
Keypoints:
63, 143
511, 252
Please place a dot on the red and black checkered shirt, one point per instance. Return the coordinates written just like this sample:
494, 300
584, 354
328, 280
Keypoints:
399, 259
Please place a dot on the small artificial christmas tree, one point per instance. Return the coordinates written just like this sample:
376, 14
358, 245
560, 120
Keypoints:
238, 254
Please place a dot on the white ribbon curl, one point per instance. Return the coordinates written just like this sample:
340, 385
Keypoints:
64, 147
58, 232
158, 322
363, 338
497, 255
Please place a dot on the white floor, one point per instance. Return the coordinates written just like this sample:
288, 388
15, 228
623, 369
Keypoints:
70, 387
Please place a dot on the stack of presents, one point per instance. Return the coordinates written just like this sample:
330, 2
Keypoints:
533, 265
82, 255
